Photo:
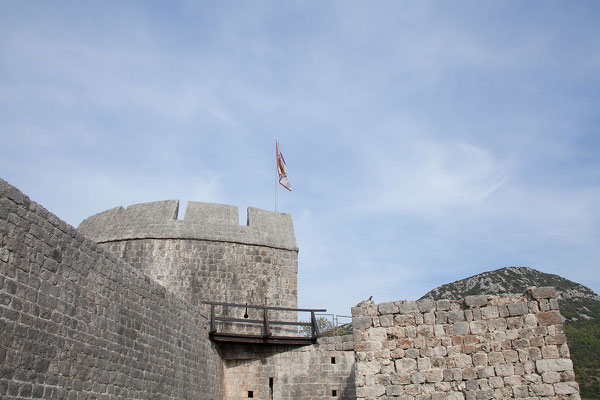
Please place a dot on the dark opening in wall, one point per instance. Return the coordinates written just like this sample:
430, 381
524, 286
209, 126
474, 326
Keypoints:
270, 388
250, 394
334, 393
333, 360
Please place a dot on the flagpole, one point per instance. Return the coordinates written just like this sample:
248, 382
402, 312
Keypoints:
276, 166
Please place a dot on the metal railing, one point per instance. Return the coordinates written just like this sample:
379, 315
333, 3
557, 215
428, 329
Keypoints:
265, 322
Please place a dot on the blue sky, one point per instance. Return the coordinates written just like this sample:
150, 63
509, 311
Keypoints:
425, 141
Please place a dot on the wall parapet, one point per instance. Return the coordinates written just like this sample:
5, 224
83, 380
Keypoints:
482, 347
202, 221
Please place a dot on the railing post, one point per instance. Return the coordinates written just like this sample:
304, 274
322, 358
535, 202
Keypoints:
315, 328
213, 327
267, 328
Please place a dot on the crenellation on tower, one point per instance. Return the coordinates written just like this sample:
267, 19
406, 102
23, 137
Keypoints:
211, 213
202, 221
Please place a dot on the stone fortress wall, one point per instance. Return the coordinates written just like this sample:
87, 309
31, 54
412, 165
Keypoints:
487, 347
82, 320
208, 255
77, 322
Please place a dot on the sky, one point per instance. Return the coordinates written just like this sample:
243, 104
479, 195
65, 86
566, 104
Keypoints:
426, 141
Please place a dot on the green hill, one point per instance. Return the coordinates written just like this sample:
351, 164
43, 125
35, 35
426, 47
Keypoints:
578, 304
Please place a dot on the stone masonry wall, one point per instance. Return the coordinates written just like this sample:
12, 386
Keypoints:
321, 371
76, 322
495, 347
207, 255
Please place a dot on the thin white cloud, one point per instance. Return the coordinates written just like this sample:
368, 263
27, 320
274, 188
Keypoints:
428, 177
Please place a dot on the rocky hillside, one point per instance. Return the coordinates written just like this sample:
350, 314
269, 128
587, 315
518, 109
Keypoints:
578, 304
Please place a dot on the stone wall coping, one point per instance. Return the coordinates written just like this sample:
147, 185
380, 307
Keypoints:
514, 303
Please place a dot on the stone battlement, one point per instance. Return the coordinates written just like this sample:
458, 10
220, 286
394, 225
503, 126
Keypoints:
202, 221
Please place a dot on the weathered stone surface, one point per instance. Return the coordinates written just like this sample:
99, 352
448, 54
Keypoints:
387, 308
549, 317
563, 388
90, 324
516, 309
426, 305
406, 365
443, 305
408, 307
370, 392
547, 292
554, 365
543, 389
478, 349
476, 301
462, 328
297, 372
362, 322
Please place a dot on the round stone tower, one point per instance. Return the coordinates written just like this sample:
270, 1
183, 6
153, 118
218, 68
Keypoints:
207, 255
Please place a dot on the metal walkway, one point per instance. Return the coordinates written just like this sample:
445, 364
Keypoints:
268, 327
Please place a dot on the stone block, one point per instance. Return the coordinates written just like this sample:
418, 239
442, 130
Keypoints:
386, 320
480, 359
404, 319
426, 305
443, 305
521, 391
565, 388
519, 308
476, 301
411, 353
418, 377
546, 292
557, 339
404, 365
455, 316
478, 327
485, 372
441, 317
550, 351
362, 322
370, 392
543, 389
513, 380
505, 370
400, 378
553, 365
407, 306
460, 361
489, 312
434, 375
425, 331
423, 364
389, 307
485, 394
394, 390
551, 377
496, 382
549, 317
358, 311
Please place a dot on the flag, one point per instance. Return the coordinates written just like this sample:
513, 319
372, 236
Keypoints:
281, 171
